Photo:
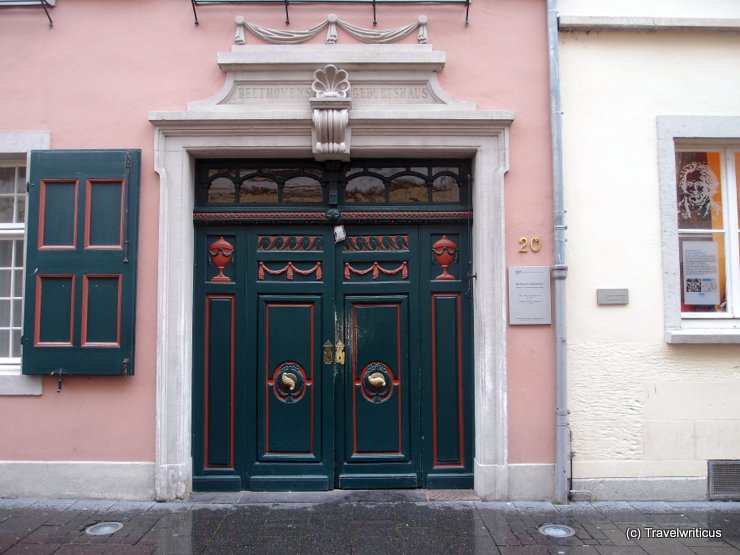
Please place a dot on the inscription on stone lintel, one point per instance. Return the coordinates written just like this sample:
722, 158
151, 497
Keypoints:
370, 94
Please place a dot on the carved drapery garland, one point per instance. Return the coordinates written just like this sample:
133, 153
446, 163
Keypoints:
376, 269
289, 270
373, 36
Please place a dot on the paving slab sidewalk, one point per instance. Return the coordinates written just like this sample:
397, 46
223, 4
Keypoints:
365, 522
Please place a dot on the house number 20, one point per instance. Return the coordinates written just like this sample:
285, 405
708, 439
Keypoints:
526, 244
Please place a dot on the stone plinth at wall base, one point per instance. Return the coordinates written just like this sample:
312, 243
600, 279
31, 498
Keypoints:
644, 489
101, 480
531, 482
515, 482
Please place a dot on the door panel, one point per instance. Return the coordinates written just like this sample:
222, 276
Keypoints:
377, 425
379, 403
291, 312
289, 359
446, 357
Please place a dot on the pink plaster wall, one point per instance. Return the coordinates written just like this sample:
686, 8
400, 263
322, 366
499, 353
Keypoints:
92, 80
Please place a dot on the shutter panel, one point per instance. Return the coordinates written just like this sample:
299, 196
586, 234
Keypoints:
80, 285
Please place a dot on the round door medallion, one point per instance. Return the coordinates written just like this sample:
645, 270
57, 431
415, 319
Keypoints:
289, 381
377, 382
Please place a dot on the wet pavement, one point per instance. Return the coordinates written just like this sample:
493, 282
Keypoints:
365, 522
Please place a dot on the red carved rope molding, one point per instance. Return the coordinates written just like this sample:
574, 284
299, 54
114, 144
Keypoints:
290, 270
376, 269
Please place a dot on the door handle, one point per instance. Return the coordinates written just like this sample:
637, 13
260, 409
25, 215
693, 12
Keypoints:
328, 355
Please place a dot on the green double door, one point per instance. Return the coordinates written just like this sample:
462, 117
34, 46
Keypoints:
322, 364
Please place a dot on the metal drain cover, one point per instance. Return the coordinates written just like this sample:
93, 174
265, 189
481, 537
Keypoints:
556, 530
103, 528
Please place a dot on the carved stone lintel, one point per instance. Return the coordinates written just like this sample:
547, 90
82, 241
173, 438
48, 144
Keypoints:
330, 136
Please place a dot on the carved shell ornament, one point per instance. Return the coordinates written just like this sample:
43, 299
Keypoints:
330, 82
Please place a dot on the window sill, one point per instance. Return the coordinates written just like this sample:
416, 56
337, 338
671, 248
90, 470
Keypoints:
12, 382
706, 336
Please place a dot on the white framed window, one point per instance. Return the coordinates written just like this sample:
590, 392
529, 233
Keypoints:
699, 164
14, 150
12, 235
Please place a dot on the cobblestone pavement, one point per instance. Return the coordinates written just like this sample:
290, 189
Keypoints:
365, 522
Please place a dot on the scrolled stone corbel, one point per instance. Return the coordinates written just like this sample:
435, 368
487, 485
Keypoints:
330, 136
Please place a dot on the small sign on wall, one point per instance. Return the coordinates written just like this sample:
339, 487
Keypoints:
529, 295
612, 296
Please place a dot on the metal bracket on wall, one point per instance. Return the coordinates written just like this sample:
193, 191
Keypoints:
29, 4
60, 376
286, 3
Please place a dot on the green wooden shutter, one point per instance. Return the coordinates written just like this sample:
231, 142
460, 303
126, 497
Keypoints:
80, 286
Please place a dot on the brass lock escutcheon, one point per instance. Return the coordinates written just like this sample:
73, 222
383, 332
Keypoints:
328, 356
340, 353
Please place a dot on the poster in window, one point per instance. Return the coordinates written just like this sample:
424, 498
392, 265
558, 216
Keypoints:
700, 273
698, 191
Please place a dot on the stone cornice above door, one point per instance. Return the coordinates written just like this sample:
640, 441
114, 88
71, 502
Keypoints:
278, 78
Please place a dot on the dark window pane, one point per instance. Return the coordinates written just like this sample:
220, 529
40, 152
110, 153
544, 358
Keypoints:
15, 343
20, 208
5, 283
18, 246
302, 189
17, 312
221, 191
258, 189
6, 209
365, 188
6, 253
7, 180
20, 184
5, 313
18, 283
408, 188
445, 189
4, 343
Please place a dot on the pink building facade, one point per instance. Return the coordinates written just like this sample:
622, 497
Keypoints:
457, 112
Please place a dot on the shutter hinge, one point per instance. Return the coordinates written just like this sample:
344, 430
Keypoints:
129, 160
28, 186
125, 366
60, 376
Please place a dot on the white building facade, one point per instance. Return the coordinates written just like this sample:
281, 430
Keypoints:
651, 142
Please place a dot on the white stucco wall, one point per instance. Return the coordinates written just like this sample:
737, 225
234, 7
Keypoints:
640, 408
650, 8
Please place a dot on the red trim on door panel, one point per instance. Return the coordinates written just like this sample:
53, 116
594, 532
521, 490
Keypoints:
37, 313
357, 381
88, 206
205, 384
270, 382
457, 298
42, 208
83, 338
